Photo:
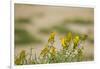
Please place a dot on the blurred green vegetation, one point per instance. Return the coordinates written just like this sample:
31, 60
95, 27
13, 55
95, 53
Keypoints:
58, 28
45, 30
89, 38
78, 20
61, 29
24, 37
23, 20
50, 54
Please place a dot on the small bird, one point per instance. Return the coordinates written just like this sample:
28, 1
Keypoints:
76, 41
69, 36
84, 37
52, 36
63, 42
53, 50
44, 51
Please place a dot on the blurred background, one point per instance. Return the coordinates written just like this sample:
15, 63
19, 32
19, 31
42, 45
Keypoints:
34, 23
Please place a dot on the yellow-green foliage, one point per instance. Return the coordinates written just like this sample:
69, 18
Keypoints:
21, 59
71, 51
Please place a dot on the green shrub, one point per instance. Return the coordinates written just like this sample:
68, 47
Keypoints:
71, 51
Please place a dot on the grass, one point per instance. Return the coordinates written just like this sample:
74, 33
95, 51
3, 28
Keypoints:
45, 30
78, 20
23, 20
71, 51
24, 37
61, 29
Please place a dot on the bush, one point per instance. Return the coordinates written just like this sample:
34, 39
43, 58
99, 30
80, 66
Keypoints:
71, 51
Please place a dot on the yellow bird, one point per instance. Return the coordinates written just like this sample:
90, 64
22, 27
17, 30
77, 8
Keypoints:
63, 42
44, 51
76, 41
69, 36
52, 36
23, 54
53, 50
